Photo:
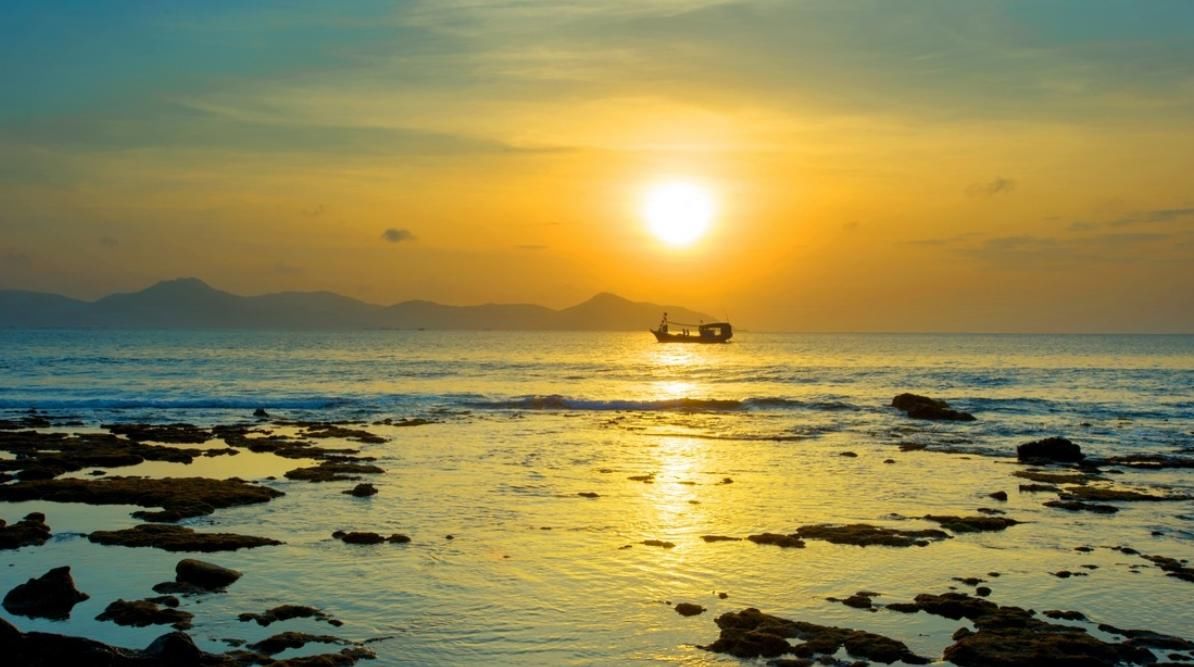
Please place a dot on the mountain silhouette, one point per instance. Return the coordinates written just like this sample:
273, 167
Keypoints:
190, 303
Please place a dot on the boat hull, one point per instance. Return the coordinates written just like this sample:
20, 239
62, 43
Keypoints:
681, 338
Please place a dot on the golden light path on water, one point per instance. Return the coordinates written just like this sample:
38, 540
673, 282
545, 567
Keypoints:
537, 574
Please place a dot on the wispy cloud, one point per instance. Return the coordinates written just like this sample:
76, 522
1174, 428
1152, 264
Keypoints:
996, 186
396, 235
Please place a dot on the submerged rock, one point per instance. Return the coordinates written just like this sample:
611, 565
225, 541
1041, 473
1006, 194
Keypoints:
42, 648
177, 538
1079, 506
140, 613
1102, 493
180, 497
720, 538
204, 575
658, 543
923, 407
172, 433
776, 539
31, 531
751, 634
333, 471
334, 430
972, 524
51, 595
286, 612
863, 535
289, 640
362, 491
1050, 449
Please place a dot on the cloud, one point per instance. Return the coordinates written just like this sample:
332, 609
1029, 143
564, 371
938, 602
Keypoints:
996, 186
395, 235
1156, 215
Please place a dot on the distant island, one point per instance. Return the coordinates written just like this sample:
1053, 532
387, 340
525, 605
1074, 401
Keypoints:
190, 303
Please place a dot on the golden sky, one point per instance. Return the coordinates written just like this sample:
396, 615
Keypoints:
921, 166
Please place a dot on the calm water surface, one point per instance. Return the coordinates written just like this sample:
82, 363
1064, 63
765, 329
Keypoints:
537, 574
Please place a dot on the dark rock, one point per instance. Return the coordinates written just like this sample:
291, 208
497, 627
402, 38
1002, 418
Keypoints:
720, 538
362, 491
1104, 494
44, 649
863, 535
1050, 449
904, 607
860, 600
1079, 506
333, 471
658, 543
646, 479
51, 595
260, 413
321, 430
889, 460
366, 537
175, 648
982, 591
204, 574
31, 531
751, 633
1062, 615
923, 407
286, 612
972, 524
589, 494
849, 455
1053, 478
289, 640
776, 539
1149, 638
689, 609
171, 433
998, 495
181, 497
177, 538
140, 613
1038, 488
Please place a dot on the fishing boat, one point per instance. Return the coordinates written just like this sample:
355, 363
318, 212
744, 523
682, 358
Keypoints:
678, 332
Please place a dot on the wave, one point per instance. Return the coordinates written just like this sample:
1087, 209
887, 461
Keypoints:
558, 402
191, 403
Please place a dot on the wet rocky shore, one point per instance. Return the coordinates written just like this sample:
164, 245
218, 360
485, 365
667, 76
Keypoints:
60, 462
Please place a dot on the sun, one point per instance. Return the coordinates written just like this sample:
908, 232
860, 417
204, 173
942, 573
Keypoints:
678, 213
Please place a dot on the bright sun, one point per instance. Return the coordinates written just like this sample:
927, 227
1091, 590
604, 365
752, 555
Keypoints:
678, 213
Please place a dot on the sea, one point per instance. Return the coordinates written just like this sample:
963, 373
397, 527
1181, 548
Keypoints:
767, 433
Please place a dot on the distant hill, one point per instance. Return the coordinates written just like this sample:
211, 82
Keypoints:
190, 303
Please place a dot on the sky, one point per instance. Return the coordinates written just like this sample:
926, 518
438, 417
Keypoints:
873, 166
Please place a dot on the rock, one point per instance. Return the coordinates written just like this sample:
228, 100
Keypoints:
776, 539
646, 479
204, 575
1149, 638
289, 640
982, 591
333, 471
658, 543
180, 497
750, 634
1058, 477
863, 535
1061, 615
175, 648
998, 495
1079, 506
1050, 449
140, 613
889, 460
689, 609
365, 537
172, 433
1039, 488
860, 600
904, 607
1102, 493
972, 524
333, 430
31, 531
588, 494
720, 538
923, 407
260, 413
51, 595
286, 612
849, 455
177, 538
362, 491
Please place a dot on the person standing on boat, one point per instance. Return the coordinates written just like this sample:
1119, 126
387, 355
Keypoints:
663, 324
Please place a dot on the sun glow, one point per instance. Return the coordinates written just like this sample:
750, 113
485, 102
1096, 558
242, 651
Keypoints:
678, 213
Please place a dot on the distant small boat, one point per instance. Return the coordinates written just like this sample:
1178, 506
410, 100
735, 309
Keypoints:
712, 332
